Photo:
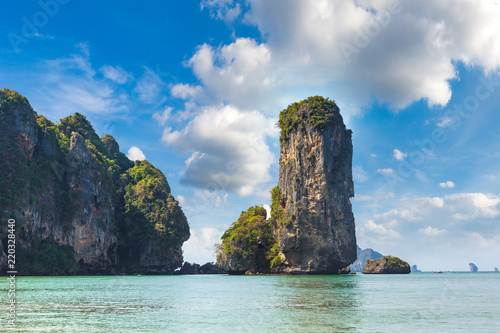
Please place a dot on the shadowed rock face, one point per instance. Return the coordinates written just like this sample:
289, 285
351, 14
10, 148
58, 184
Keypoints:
314, 223
64, 186
208, 268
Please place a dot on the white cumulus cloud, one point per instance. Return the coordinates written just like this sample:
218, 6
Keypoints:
430, 231
200, 247
135, 154
447, 184
399, 155
185, 90
401, 51
239, 73
381, 231
228, 149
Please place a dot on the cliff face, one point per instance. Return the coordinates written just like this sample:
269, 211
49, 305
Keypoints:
151, 225
311, 221
314, 223
64, 186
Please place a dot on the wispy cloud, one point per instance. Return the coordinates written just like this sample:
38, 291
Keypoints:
71, 85
438, 222
225, 10
150, 88
162, 117
385, 171
116, 74
430, 231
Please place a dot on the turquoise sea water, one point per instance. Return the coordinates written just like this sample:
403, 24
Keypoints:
448, 302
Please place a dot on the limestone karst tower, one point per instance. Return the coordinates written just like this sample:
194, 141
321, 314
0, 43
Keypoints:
311, 209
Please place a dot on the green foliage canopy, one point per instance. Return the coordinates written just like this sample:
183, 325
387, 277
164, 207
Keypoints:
318, 111
250, 240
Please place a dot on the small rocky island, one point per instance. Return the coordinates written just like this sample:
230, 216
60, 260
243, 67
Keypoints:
414, 269
363, 255
311, 228
386, 265
473, 268
80, 205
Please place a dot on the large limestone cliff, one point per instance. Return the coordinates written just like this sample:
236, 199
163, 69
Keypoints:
314, 223
311, 228
66, 189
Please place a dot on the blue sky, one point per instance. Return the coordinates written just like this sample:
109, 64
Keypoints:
196, 87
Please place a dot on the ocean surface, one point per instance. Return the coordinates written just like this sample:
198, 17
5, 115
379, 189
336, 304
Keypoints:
419, 302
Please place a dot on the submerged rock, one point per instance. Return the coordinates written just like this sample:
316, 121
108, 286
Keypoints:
386, 265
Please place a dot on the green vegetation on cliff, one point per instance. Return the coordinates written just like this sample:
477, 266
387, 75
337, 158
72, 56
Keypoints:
311, 227
148, 211
318, 111
104, 150
277, 211
395, 262
12, 165
250, 241
386, 265
47, 257
56, 175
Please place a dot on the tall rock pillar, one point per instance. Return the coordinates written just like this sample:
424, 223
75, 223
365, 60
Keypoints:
311, 209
